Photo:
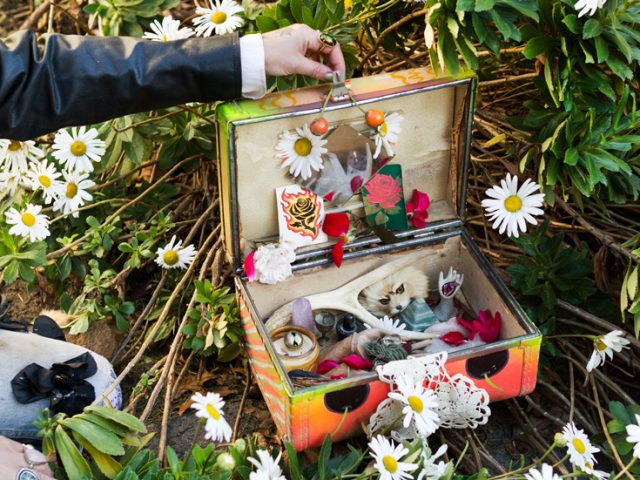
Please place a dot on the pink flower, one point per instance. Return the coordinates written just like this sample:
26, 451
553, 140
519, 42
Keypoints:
357, 362
417, 209
249, 266
383, 190
486, 326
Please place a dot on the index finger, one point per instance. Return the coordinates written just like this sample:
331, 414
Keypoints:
334, 58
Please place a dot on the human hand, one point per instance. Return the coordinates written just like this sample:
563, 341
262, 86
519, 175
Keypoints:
297, 49
12, 461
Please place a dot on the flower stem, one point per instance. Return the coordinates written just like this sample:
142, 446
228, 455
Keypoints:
626, 468
195, 439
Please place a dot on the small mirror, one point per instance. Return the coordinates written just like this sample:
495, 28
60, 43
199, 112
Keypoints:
348, 164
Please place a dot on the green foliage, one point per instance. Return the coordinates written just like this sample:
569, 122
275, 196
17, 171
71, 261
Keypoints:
101, 236
629, 291
214, 324
20, 257
622, 416
127, 17
92, 444
551, 270
87, 306
463, 25
592, 152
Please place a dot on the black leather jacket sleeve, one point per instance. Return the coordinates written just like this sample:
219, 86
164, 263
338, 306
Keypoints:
79, 80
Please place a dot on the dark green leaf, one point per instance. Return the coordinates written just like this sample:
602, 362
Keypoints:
592, 28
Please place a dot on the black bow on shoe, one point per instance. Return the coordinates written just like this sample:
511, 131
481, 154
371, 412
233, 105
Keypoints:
63, 383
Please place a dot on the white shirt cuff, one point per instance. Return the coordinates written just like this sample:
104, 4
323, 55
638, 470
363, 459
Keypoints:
254, 78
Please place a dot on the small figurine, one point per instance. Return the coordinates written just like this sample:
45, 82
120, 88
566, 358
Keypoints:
348, 325
447, 288
392, 295
418, 316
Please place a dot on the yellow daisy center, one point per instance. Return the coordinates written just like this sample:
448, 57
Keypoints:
390, 463
579, 446
213, 411
171, 258
383, 129
513, 203
415, 403
44, 181
600, 345
72, 190
28, 219
14, 146
218, 17
164, 38
302, 147
78, 148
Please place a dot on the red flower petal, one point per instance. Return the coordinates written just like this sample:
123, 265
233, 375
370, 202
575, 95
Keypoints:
419, 219
336, 224
357, 362
356, 183
329, 196
337, 252
420, 201
326, 366
249, 267
453, 338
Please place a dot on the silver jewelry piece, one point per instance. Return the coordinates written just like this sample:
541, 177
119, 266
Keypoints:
27, 474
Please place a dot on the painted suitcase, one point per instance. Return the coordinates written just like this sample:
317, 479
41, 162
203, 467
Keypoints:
434, 154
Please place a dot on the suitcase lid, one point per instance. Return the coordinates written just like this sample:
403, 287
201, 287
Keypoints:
433, 150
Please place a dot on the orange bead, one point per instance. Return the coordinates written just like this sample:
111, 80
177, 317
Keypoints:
319, 126
374, 118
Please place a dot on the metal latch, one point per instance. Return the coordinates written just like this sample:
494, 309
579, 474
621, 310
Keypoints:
339, 89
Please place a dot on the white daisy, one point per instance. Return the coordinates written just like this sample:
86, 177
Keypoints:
167, 31
174, 255
599, 474
221, 18
14, 155
209, 407
579, 446
266, 467
387, 134
43, 175
78, 149
420, 406
633, 432
512, 208
9, 183
301, 151
73, 193
388, 458
391, 326
28, 222
604, 346
545, 473
588, 6
430, 469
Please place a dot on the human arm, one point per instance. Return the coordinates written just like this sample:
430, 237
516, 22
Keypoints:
79, 80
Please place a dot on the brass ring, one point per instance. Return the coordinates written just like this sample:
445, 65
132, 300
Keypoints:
327, 40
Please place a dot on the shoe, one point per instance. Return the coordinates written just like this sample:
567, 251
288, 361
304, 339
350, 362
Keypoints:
47, 327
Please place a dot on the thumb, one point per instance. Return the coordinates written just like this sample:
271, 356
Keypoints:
311, 68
